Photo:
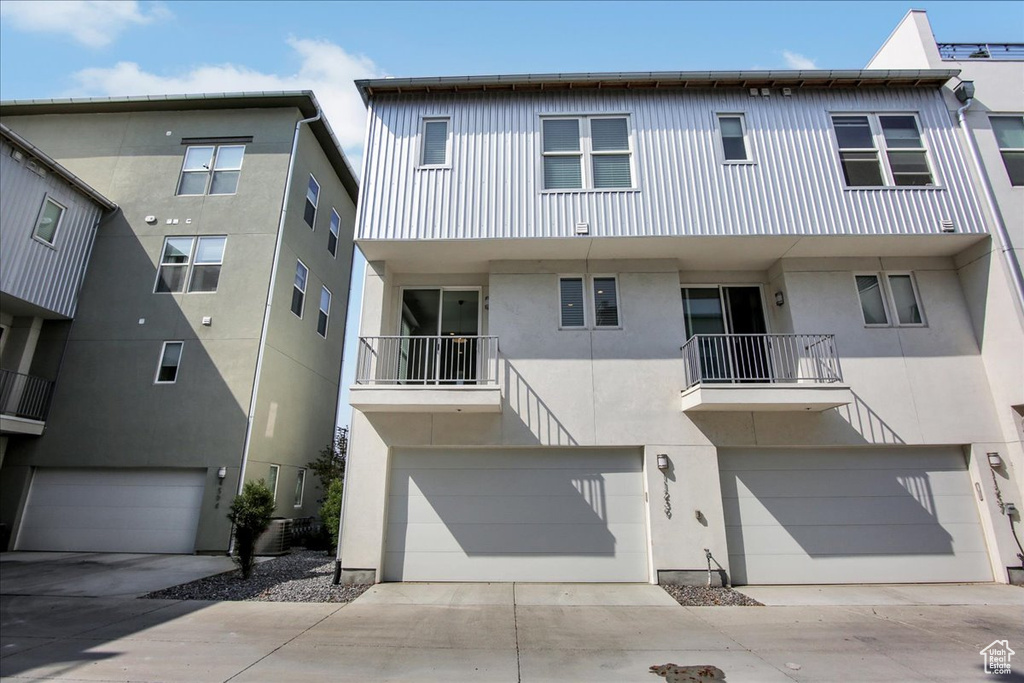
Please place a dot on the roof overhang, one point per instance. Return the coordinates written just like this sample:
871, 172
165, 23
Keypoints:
303, 100
816, 78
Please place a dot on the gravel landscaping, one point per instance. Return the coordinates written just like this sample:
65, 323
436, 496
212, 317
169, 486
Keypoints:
302, 576
704, 596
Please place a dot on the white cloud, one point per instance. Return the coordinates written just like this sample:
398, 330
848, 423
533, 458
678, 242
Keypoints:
90, 22
325, 68
798, 61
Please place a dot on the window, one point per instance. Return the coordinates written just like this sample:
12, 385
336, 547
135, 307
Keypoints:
178, 259
435, 142
48, 222
300, 484
603, 141
1009, 132
325, 312
170, 359
861, 137
332, 236
299, 289
883, 293
312, 198
211, 169
734, 145
272, 477
571, 291
604, 304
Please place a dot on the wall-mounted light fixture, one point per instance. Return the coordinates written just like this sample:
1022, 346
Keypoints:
994, 460
662, 461
779, 298
964, 91
222, 472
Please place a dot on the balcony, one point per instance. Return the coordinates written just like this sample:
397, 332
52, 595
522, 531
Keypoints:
24, 403
993, 51
427, 374
762, 372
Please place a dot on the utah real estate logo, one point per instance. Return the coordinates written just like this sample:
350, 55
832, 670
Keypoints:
997, 657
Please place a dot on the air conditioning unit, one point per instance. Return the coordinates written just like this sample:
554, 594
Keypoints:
277, 539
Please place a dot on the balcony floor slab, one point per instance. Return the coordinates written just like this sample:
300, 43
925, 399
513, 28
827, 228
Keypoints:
426, 399
765, 397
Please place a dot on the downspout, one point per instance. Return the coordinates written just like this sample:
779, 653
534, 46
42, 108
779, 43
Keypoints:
266, 311
993, 207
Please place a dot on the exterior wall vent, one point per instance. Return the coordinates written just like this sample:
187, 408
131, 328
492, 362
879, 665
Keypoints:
36, 168
583, 228
17, 155
947, 225
787, 92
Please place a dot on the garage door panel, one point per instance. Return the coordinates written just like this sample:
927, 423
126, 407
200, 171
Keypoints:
792, 511
778, 569
499, 509
515, 539
836, 482
540, 568
869, 539
112, 510
851, 516
523, 515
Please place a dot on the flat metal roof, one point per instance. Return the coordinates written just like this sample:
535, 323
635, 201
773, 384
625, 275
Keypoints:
815, 78
38, 154
304, 100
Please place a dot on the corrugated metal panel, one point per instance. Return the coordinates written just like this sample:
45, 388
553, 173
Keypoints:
30, 270
794, 188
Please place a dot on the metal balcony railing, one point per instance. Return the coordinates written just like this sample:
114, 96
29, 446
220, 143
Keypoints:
449, 360
25, 396
959, 51
761, 358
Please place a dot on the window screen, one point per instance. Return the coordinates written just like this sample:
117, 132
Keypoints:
571, 292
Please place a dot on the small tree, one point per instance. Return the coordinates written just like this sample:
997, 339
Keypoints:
330, 463
251, 511
330, 510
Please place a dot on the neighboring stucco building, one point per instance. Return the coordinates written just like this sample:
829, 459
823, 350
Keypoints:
991, 131
48, 221
208, 340
614, 323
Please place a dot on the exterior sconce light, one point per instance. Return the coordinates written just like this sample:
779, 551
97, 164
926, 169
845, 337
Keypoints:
779, 298
221, 473
994, 461
662, 461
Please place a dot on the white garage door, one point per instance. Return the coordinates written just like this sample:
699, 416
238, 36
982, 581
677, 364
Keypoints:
516, 515
101, 510
900, 515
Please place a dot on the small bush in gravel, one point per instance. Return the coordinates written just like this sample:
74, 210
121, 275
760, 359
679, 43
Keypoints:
330, 511
707, 596
251, 511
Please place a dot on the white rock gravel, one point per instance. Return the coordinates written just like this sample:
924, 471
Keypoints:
302, 576
704, 596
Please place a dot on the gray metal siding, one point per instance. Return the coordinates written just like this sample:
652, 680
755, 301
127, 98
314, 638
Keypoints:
48, 277
795, 186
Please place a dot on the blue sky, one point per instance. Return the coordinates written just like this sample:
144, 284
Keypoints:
78, 48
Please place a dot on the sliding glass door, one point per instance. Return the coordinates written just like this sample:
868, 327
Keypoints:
731, 322
440, 330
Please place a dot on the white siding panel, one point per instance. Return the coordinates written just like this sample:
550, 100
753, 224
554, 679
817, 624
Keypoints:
795, 187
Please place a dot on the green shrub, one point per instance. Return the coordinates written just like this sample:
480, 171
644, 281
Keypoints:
330, 510
251, 511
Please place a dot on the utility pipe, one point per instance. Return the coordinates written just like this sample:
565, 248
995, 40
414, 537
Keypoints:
266, 311
997, 217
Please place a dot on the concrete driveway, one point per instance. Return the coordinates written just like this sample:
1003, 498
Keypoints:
494, 632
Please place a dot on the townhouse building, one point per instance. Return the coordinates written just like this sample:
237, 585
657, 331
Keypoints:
674, 326
207, 343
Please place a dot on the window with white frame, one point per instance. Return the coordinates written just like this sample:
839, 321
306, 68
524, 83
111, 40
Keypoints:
199, 268
324, 314
332, 236
170, 360
434, 148
300, 485
877, 150
272, 476
299, 288
312, 199
1009, 132
211, 169
586, 152
889, 299
732, 128
603, 302
50, 215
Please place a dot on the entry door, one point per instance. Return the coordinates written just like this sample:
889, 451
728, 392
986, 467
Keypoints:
736, 346
440, 342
